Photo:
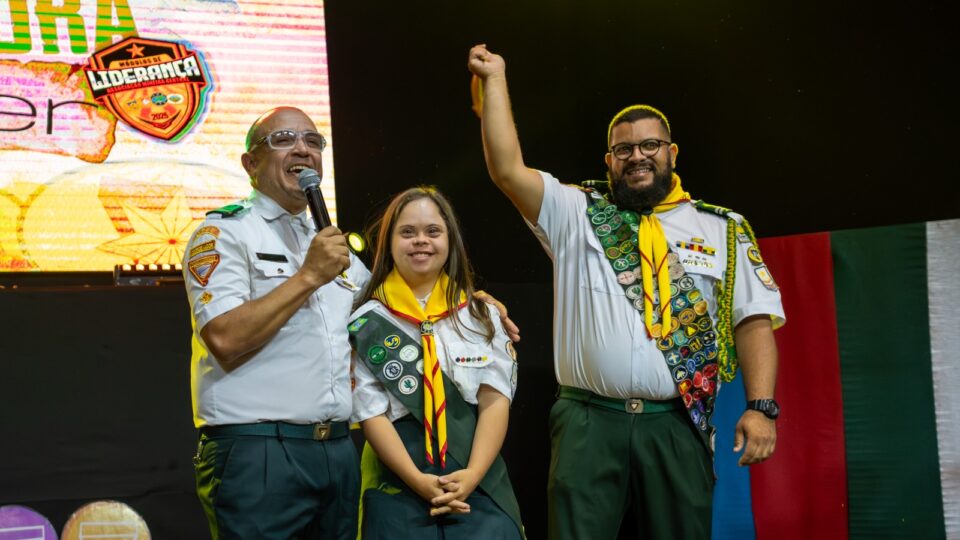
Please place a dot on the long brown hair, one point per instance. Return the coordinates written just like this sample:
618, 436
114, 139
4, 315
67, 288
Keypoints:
457, 265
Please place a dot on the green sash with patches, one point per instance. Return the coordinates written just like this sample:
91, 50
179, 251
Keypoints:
690, 346
396, 360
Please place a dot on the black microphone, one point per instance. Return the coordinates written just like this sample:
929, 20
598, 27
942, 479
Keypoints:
309, 181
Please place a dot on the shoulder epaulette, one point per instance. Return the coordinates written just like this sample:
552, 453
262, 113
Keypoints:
230, 210
718, 210
601, 186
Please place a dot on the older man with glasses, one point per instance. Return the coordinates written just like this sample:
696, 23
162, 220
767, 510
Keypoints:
657, 297
271, 357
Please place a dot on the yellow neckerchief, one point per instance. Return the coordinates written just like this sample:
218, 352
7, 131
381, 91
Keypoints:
396, 295
653, 256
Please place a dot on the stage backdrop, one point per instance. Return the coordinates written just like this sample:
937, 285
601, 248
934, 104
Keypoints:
868, 442
122, 122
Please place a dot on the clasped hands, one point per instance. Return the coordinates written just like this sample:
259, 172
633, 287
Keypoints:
447, 494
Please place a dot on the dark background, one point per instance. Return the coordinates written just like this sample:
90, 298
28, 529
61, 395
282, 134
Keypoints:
804, 116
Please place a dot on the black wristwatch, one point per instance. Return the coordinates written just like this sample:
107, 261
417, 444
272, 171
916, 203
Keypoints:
768, 407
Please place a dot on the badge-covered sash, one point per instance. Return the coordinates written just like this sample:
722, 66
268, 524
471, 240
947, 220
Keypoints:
690, 346
396, 360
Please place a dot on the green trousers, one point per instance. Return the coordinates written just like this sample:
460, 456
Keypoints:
393, 511
266, 488
604, 462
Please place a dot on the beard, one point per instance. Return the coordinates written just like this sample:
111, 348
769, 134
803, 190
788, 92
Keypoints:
639, 199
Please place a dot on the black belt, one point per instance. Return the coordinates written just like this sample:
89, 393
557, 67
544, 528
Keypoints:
632, 405
280, 430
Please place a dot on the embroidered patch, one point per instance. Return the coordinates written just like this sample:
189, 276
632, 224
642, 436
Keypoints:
377, 354
408, 385
764, 276
206, 297
392, 370
357, 324
408, 353
202, 248
202, 268
209, 230
742, 236
754, 255
392, 341
626, 277
420, 367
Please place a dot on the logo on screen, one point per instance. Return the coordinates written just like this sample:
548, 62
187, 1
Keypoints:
156, 87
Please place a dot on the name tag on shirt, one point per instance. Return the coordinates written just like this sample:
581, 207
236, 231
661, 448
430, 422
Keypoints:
272, 257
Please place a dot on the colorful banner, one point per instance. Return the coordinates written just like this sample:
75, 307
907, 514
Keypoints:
122, 121
868, 444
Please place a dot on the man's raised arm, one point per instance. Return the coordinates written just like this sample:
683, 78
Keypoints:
501, 146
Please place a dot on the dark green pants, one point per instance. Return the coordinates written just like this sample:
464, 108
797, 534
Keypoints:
263, 488
604, 462
393, 511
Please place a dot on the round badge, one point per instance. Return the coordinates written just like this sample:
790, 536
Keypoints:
407, 385
694, 296
377, 354
604, 230
675, 270
672, 258
620, 264
679, 303
633, 259
391, 342
420, 367
105, 519
626, 277
612, 252
700, 307
687, 316
592, 209
685, 283
679, 373
709, 337
629, 217
634, 291
754, 255
615, 221
610, 209
392, 370
598, 218
408, 353
627, 247
674, 325
680, 339
638, 302
665, 343
608, 241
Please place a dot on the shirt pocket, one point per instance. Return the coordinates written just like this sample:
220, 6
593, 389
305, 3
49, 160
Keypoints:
596, 267
709, 266
268, 275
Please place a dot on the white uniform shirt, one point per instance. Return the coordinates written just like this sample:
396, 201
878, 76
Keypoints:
302, 374
495, 367
599, 339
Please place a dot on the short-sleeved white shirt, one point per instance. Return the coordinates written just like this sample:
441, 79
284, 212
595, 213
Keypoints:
302, 374
600, 343
481, 362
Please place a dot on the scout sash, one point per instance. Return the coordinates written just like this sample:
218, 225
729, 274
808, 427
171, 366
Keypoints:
396, 360
688, 339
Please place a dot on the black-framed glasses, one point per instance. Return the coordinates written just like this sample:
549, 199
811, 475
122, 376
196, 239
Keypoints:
648, 147
285, 139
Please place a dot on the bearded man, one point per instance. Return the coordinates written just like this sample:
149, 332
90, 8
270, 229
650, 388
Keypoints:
657, 298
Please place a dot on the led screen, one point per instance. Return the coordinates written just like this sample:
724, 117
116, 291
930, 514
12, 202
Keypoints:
122, 122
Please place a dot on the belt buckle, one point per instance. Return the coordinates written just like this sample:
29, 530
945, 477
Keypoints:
633, 406
321, 432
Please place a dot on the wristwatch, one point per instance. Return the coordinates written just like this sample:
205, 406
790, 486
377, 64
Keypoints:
768, 407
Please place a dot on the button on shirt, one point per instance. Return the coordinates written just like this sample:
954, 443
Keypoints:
481, 362
302, 374
600, 343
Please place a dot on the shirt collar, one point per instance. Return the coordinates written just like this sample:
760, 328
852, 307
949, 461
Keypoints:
270, 210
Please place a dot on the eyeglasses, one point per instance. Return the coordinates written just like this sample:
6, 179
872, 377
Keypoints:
648, 147
285, 139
